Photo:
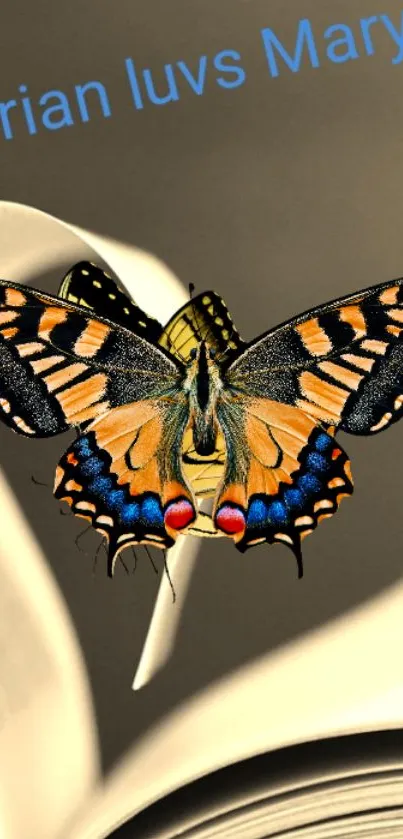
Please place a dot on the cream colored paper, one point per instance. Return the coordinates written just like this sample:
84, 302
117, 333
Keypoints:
32, 241
48, 742
321, 685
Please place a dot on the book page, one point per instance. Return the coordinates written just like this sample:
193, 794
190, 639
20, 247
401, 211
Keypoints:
322, 685
48, 748
49, 757
48, 739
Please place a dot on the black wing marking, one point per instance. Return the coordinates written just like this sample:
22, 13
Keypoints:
283, 475
124, 476
88, 285
59, 366
341, 362
206, 318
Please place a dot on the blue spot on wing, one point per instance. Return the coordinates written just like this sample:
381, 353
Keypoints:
100, 486
277, 513
82, 447
151, 512
257, 513
317, 462
323, 442
309, 483
130, 514
294, 498
115, 499
92, 467
138, 517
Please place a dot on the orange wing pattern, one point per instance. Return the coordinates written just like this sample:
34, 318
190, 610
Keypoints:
284, 475
121, 476
60, 367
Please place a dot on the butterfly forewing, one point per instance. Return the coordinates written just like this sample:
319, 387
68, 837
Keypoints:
341, 363
59, 366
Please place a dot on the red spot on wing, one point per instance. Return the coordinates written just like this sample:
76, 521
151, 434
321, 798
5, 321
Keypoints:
230, 519
179, 514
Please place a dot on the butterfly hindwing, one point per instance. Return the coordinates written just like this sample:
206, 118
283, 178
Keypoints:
284, 475
341, 363
124, 475
206, 318
88, 285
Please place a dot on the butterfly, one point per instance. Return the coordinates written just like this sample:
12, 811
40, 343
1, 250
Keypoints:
166, 415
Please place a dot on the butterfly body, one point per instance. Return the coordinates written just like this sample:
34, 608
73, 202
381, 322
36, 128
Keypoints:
202, 386
167, 415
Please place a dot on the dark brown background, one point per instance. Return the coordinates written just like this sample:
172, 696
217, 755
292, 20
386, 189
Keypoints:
279, 194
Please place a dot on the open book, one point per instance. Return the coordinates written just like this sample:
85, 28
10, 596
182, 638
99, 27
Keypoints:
265, 752
306, 740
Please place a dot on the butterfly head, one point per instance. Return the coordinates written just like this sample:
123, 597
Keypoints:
203, 384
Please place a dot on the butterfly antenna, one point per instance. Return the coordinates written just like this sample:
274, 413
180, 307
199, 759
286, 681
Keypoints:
39, 483
191, 290
80, 536
135, 559
124, 564
168, 575
101, 545
151, 559
65, 512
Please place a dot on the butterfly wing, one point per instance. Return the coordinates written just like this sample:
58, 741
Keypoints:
206, 318
341, 363
284, 475
61, 367
339, 366
124, 475
88, 285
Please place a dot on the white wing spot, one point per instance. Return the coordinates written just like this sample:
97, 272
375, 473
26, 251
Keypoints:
303, 520
106, 520
282, 537
382, 422
23, 426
